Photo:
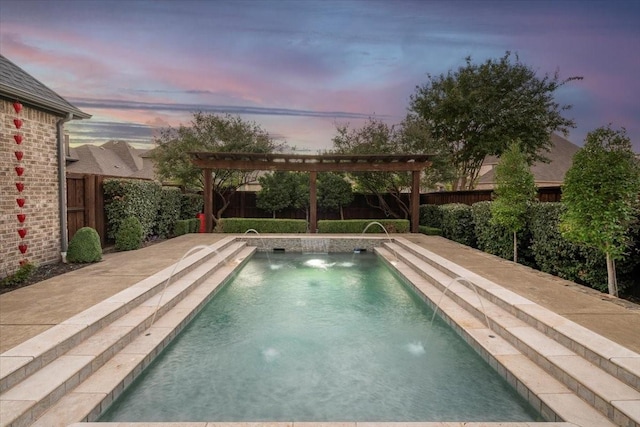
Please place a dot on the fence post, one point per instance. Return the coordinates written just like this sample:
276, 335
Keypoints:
89, 183
99, 212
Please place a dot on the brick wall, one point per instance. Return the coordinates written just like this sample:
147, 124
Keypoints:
40, 180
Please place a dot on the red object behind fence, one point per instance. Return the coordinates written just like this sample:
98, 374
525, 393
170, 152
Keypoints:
203, 228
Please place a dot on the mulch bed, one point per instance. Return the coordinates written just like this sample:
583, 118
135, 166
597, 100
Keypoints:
44, 272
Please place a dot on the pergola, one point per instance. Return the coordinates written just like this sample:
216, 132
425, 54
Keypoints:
313, 164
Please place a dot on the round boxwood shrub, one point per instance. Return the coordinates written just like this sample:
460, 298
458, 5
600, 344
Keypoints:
129, 235
85, 246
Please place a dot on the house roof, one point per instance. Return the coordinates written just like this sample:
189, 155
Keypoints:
113, 158
15, 83
560, 157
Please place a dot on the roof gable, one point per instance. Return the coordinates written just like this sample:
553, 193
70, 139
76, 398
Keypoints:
113, 158
15, 83
560, 156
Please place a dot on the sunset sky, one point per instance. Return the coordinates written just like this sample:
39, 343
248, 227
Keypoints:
300, 67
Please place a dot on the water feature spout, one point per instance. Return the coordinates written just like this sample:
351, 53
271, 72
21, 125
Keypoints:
264, 246
473, 286
387, 234
168, 281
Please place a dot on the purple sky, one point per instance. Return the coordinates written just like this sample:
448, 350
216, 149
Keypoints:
299, 67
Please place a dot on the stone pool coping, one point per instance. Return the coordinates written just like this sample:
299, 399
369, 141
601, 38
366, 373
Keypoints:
299, 240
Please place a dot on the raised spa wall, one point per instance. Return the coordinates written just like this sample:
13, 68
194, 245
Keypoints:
313, 244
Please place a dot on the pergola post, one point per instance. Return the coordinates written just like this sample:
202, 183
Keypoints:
313, 202
208, 200
415, 202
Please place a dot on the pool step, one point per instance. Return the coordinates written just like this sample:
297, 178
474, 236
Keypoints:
92, 396
614, 398
622, 363
26, 400
23, 360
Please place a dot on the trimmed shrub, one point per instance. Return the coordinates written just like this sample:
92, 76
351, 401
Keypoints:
85, 246
558, 256
431, 216
498, 240
182, 226
355, 226
169, 209
194, 225
262, 225
125, 198
430, 231
191, 205
129, 235
457, 223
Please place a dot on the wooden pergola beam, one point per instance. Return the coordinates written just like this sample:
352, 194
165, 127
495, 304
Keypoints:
304, 163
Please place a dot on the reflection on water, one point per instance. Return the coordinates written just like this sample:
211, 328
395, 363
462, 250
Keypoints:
317, 340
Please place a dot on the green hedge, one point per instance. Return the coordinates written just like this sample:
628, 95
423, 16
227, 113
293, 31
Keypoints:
498, 240
430, 231
169, 209
129, 235
431, 216
125, 198
540, 244
356, 226
457, 223
191, 205
491, 238
184, 226
556, 255
156, 207
262, 225
181, 227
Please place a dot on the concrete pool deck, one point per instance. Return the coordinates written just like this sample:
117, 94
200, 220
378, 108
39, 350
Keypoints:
26, 312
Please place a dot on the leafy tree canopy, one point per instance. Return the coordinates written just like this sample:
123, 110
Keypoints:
334, 191
282, 190
600, 193
479, 109
515, 189
376, 137
213, 133
274, 195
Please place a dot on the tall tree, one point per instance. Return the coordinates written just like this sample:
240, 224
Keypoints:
377, 137
515, 189
600, 194
415, 138
479, 109
334, 192
214, 133
274, 194
284, 190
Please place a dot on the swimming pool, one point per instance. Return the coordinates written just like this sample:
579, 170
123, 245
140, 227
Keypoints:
334, 337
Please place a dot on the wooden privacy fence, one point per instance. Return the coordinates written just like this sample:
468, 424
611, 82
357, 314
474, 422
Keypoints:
85, 204
469, 197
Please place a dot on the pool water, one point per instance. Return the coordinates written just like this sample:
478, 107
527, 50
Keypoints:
332, 337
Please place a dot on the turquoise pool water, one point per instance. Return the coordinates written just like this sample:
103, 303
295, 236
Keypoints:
338, 337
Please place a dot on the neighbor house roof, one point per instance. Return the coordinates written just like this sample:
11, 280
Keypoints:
113, 158
549, 174
17, 84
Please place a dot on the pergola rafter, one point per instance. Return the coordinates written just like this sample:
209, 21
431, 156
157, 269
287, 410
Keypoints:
313, 164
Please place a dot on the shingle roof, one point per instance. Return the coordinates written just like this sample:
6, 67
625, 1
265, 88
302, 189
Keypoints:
114, 158
560, 157
15, 83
